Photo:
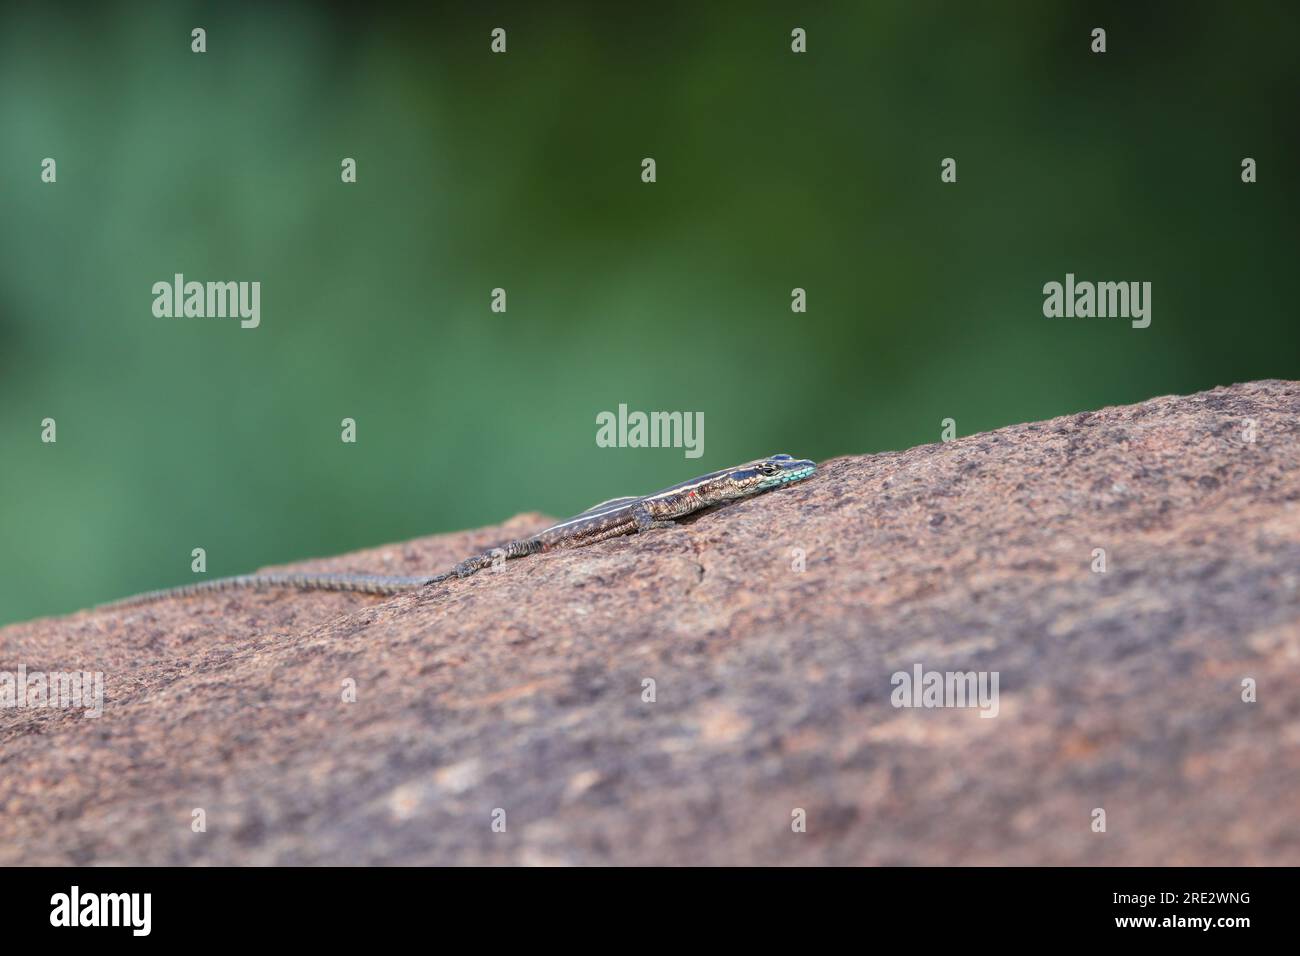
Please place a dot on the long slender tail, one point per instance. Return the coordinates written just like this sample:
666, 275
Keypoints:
364, 583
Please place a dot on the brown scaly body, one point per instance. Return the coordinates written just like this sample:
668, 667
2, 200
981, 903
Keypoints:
608, 519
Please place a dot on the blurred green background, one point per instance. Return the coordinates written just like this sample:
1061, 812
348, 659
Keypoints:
522, 171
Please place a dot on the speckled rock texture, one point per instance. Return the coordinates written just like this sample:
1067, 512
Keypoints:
519, 695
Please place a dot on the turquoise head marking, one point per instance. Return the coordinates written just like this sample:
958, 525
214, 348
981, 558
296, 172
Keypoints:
755, 476
781, 470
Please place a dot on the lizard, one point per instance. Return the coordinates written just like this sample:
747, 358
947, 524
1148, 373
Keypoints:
617, 516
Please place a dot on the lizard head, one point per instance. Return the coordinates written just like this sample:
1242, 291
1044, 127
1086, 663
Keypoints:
770, 472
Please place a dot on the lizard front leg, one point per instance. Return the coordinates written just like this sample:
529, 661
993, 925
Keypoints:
646, 520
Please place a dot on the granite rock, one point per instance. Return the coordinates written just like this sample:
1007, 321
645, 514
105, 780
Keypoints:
772, 629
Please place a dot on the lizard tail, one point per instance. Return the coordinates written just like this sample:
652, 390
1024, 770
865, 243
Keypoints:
363, 583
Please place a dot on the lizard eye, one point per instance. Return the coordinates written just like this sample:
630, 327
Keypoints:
769, 468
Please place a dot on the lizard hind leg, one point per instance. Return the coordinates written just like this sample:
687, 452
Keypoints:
493, 556
477, 563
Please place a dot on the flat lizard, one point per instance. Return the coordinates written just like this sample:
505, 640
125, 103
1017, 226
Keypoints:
618, 516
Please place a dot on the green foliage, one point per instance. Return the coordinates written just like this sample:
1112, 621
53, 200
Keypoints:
522, 171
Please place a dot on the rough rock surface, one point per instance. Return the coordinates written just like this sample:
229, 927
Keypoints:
522, 690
